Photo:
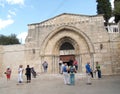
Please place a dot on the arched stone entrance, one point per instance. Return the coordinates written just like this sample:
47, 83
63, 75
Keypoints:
81, 47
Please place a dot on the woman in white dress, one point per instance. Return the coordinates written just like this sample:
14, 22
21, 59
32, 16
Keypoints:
20, 73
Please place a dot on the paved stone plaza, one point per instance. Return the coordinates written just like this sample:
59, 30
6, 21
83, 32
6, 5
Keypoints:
53, 84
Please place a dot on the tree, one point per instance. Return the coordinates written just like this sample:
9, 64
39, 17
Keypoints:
117, 10
8, 40
104, 7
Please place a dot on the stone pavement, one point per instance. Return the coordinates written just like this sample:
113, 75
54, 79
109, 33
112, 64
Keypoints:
53, 84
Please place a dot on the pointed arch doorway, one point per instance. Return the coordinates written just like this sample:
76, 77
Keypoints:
66, 42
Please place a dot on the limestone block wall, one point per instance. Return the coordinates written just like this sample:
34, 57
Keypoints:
115, 57
103, 56
115, 52
32, 56
13, 56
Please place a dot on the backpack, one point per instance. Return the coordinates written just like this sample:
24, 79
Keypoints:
72, 69
64, 69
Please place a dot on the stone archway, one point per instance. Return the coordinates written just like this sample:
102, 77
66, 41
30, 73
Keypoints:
51, 46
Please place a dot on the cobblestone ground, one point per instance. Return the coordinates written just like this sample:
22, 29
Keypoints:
53, 84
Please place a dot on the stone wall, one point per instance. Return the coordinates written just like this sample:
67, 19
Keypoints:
13, 56
115, 52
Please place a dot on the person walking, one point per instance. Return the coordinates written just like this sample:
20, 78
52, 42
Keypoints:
20, 73
45, 66
98, 70
8, 73
88, 73
28, 74
72, 70
65, 74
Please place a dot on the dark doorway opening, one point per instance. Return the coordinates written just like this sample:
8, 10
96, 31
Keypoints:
67, 58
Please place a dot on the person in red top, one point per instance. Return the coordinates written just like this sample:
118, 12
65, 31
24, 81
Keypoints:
8, 73
75, 63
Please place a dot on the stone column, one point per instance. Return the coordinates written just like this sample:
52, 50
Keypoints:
92, 60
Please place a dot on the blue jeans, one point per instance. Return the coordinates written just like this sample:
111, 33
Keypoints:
72, 78
99, 73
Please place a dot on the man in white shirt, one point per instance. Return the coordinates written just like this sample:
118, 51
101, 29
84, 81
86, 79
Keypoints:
65, 74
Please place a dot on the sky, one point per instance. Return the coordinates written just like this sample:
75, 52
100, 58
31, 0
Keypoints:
15, 15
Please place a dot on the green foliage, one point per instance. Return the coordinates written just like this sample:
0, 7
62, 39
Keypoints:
9, 40
104, 7
117, 10
117, 0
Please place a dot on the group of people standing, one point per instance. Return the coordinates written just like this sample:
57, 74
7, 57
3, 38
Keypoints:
68, 70
28, 72
89, 72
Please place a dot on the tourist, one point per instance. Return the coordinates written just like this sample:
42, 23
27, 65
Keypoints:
33, 72
75, 63
98, 70
8, 73
88, 73
60, 64
28, 74
65, 74
70, 62
20, 73
62, 68
72, 70
45, 66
